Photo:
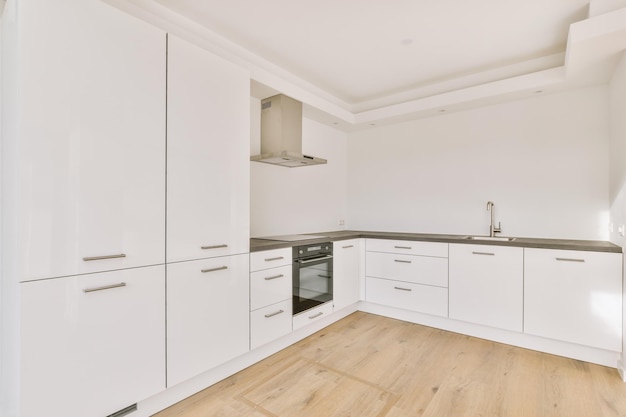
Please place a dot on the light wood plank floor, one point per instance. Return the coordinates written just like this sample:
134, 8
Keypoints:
371, 366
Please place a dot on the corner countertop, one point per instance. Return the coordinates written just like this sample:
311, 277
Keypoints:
260, 244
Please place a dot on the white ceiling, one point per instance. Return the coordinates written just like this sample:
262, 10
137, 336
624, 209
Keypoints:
373, 53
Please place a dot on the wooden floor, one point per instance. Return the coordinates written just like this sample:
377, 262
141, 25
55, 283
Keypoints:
371, 366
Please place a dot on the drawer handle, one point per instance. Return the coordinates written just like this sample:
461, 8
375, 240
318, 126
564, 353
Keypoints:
219, 268
402, 247
99, 258
403, 289
105, 287
402, 261
570, 259
278, 258
347, 246
214, 247
324, 276
314, 316
267, 316
273, 277
484, 253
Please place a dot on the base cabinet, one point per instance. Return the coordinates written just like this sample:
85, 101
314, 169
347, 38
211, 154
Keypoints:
207, 314
346, 272
574, 296
270, 296
408, 275
92, 344
486, 285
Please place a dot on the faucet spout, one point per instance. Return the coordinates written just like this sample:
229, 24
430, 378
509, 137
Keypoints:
492, 228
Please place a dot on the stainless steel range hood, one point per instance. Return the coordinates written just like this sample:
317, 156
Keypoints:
281, 134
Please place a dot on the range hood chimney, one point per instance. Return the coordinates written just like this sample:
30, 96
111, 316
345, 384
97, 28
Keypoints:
281, 134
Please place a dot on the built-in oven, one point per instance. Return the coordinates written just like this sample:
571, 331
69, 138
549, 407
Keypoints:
312, 275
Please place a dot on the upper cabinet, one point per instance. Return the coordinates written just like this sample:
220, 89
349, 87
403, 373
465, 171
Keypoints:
208, 152
84, 140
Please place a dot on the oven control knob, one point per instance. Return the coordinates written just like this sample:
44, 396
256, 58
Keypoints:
300, 251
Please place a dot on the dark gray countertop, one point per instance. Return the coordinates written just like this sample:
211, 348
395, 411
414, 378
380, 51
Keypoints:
259, 244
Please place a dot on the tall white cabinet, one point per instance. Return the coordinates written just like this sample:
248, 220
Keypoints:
208, 150
83, 205
208, 174
86, 148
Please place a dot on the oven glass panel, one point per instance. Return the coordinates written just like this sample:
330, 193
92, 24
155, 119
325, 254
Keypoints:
313, 285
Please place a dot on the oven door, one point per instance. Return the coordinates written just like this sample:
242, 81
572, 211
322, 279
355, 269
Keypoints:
312, 282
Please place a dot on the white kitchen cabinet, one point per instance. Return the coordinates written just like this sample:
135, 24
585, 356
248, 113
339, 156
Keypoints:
408, 275
270, 259
207, 314
408, 247
208, 154
270, 286
574, 296
486, 285
85, 145
92, 344
271, 289
312, 315
346, 272
426, 270
409, 296
270, 322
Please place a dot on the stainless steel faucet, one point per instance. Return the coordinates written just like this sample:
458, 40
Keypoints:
492, 229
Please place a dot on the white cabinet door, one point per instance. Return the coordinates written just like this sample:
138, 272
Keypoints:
208, 154
346, 272
207, 314
90, 164
486, 285
92, 344
574, 296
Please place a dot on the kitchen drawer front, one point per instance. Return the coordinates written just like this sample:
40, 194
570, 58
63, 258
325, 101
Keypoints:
408, 247
415, 297
269, 286
574, 296
417, 269
270, 259
312, 315
270, 323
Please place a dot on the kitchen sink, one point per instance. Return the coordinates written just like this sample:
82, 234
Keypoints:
493, 239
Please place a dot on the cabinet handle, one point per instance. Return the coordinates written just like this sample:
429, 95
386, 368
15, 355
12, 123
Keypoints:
267, 316
324, 276
219, 268
347, 246
105, 287
214, 247
314, 316
273, 277
99, 258
402, 247
402, 261
403, 289
278, 258
570, 259
484, 253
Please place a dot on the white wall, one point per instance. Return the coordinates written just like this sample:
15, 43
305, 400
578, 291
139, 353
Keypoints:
542, 160
617, 129
299, 200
